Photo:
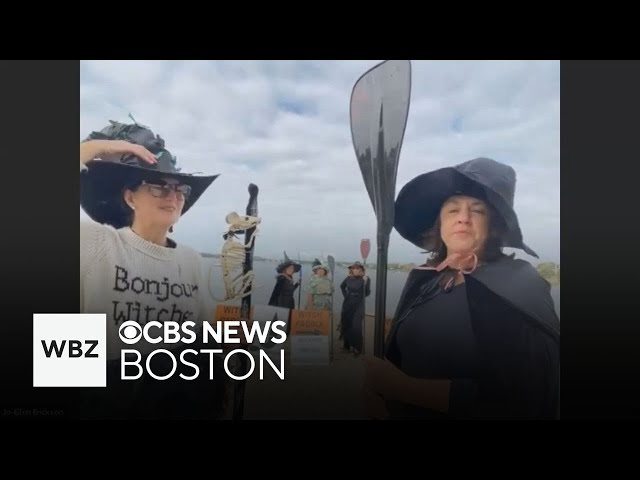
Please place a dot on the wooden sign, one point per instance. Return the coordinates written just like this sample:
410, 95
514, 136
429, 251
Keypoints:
310, 336
310, 322
229, 312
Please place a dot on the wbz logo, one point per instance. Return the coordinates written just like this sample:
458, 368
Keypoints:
69, 350
74, 350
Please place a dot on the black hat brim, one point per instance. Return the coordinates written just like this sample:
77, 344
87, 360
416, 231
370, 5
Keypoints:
418, 205
296, 266
102, 183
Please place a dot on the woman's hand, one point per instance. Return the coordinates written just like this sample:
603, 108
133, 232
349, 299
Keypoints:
384, 378
108, 149
374, 405
389, 382
382, 381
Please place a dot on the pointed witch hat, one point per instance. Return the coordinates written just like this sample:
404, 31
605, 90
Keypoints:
287, 262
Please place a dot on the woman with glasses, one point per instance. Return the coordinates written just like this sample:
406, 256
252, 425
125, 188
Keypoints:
134, 273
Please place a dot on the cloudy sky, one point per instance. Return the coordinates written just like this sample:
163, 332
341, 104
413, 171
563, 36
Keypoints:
284, 125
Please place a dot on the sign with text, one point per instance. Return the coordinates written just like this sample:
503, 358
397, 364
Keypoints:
230, 312
310, 330
260, 314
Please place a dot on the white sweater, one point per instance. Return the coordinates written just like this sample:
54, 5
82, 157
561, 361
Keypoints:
129, 278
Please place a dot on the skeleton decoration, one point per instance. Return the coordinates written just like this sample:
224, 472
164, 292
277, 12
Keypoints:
233, 257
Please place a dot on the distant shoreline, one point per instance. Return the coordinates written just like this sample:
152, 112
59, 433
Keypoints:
550, 271
393, 267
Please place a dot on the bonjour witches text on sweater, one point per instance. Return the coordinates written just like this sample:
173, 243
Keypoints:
129, 278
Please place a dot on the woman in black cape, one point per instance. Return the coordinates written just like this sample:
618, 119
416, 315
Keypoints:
475, 334
355, 288
283, 290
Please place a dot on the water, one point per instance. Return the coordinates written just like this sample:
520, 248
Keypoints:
265, 278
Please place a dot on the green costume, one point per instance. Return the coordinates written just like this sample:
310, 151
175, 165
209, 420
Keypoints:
320, 289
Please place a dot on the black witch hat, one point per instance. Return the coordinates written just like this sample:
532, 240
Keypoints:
418, 204
287, 262
103, 182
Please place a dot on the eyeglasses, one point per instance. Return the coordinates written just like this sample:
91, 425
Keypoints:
163, 191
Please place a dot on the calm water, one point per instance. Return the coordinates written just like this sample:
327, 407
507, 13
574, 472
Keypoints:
265, 277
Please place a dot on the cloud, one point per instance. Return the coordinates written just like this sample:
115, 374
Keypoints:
284, 125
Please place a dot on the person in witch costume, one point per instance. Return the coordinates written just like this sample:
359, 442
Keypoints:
130, 269
283, 290
320, 289
315, 263
475, 333
355, 288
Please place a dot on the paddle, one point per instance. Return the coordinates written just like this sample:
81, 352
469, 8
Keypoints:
245, 305
332, 266
379, 109
365, 248
300, 287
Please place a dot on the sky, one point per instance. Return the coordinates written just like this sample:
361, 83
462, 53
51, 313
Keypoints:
284, 126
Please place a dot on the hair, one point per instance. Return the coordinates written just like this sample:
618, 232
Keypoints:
133, 185
491, 251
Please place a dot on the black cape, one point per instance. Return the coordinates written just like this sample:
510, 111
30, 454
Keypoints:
282, 294
517, 332
354, 291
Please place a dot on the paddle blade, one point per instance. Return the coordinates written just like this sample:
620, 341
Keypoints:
365, 248
379, 109
332, 264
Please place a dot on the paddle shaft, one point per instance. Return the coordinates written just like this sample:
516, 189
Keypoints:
300, 286
332, 265
245, 306
381, 295
364, 305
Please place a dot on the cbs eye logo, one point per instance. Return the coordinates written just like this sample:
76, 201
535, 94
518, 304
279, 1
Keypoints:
130, 332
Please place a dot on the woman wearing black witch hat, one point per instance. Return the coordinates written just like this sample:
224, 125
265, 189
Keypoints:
283, 290
134, 272
356, 287
475, 333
